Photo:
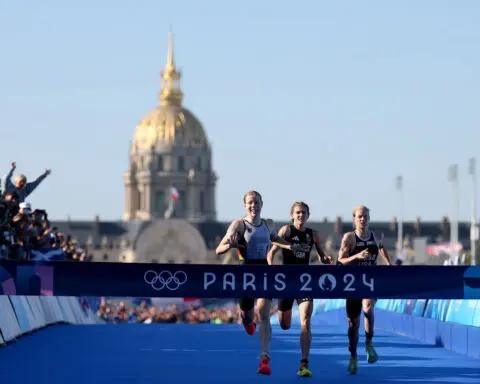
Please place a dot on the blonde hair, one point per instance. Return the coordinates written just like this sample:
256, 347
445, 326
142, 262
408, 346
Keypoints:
254, 193
360, 208
18, 178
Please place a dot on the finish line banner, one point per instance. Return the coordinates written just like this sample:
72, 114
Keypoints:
64, 278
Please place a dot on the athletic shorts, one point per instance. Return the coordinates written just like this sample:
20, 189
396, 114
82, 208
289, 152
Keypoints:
354, 307
285, 305
247, 303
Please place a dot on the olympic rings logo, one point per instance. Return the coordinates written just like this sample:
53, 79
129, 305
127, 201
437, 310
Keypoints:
165, 279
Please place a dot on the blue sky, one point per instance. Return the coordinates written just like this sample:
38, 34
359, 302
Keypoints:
324, 101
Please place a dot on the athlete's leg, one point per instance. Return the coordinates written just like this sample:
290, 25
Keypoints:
265, 333
368, 306
285, 313
305, 307
265, 328
247, 312
354, 309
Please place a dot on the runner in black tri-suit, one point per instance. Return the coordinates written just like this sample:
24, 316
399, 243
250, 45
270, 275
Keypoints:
298, 233
360, 247
252, 236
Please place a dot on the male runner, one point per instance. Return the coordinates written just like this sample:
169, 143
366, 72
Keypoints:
361, 248
298, 233
252, 236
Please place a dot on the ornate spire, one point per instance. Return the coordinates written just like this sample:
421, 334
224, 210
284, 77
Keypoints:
171, 94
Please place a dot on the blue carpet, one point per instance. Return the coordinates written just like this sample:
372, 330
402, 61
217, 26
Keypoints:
178, 353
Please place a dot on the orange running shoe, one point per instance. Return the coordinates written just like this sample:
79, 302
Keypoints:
264, 367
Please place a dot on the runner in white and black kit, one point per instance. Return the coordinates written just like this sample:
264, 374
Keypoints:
252, 236
360, 247
298, 233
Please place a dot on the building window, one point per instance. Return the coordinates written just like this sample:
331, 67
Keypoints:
202, 202
139, 201
182, 202
160, 202
160, 163
198, 164
181, 164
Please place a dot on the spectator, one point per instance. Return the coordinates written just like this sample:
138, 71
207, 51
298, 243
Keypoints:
114, 313
26, 233
20, 185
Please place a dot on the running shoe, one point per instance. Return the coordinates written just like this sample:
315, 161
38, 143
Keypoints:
372, 356
250, 328
303, 371
264, 367
353, 365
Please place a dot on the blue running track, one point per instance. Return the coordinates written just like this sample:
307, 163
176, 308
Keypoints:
181, 353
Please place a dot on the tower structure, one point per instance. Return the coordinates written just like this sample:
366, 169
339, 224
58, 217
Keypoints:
170, 152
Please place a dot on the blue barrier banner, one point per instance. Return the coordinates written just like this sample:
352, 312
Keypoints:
63, 278
419, 308
461, 311
382, 304
476, 316
409, 306
437, 309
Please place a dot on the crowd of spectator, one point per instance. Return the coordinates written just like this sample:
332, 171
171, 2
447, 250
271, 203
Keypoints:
117, 312
26, 233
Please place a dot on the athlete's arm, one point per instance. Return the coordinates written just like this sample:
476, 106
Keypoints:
230, 240
324, 258
383, 252
282, 234
275, 239
348, 244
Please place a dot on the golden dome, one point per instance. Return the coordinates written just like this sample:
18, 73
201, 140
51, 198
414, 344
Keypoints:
170, 124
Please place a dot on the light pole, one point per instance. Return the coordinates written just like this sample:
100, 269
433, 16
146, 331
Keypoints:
473, 226
453, 178
399, 187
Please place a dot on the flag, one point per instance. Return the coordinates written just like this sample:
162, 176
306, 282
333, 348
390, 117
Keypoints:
47, 254
174, 197
174, 193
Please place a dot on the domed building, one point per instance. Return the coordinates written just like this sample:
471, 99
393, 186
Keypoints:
170, 172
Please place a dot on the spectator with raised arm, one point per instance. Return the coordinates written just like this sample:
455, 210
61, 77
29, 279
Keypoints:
20, 184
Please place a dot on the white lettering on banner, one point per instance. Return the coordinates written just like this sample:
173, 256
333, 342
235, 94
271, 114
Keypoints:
280, 279
326, 282
248, 281
349, 279
370, 284
229, 281
208, 279
305, 279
